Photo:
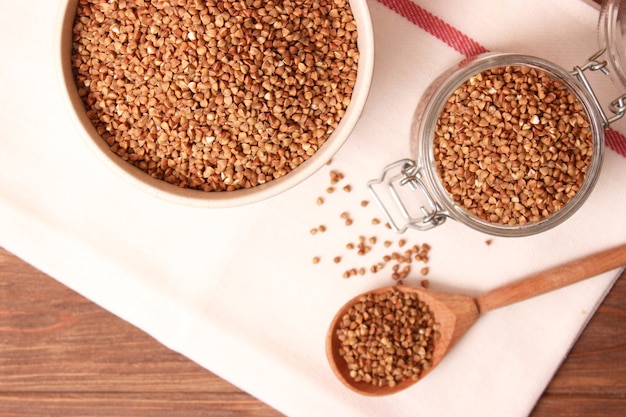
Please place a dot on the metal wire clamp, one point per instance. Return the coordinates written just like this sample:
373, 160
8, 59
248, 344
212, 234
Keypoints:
398, 174
617, 106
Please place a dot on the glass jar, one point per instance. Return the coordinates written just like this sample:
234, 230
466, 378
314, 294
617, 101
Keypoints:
415, 186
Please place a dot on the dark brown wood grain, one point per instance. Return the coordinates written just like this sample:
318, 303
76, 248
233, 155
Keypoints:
592, 380
61, 355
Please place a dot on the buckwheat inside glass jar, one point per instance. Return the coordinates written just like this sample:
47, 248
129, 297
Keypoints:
507, 144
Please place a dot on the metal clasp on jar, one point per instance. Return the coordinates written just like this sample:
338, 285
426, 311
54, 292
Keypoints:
617, 106
401, 173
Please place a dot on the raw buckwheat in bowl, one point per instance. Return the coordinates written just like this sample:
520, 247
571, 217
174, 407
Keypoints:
216, 103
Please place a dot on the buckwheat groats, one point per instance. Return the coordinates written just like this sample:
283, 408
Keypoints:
387, 338
215, 95
512, 145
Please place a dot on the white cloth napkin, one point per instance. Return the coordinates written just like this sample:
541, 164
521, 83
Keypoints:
236, 291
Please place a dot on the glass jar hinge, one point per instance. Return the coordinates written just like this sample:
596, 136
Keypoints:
617, 106
397, 175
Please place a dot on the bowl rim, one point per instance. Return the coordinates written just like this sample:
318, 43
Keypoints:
212, 199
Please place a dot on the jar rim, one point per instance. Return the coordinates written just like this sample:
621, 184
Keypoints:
428, 113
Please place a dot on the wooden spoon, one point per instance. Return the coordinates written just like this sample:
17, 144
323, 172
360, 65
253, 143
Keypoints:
456, 313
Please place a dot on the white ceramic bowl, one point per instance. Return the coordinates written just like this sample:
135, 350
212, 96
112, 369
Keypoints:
219, 199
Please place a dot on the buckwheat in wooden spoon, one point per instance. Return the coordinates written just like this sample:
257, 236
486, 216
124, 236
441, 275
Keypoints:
385, 340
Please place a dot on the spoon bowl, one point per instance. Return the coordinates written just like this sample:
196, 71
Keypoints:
456, 313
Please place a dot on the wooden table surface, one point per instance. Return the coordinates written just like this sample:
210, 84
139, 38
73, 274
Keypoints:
61, 355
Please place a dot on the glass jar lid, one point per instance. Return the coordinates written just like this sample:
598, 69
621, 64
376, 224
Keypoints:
612, 32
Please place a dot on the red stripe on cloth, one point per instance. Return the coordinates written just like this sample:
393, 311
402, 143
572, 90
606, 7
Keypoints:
615, 141
435, 26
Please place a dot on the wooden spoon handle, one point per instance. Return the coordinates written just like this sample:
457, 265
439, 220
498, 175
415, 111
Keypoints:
553, 279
